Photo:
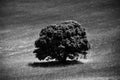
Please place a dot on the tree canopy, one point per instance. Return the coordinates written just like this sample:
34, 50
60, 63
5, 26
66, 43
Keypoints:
61, 41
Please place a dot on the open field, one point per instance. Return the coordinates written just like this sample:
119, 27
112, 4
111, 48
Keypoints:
22, 20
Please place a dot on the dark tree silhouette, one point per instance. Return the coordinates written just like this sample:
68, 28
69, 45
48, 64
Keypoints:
61, 41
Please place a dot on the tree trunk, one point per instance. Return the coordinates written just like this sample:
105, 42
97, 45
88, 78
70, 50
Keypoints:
64, 58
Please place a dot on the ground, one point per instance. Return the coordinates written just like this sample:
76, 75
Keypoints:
22, 20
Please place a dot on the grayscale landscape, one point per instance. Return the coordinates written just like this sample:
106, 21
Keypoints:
20, 25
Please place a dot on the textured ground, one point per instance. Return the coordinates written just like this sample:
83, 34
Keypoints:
22, 20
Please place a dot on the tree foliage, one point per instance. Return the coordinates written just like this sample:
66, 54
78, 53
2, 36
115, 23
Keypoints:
61, 41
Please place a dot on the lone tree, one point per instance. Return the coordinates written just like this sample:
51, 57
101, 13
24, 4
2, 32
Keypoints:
61, 41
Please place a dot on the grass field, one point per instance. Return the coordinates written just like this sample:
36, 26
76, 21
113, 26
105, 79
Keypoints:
22, 20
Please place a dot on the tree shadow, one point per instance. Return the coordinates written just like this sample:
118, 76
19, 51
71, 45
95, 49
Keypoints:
53, 64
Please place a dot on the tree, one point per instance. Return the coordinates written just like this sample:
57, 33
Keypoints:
61, 41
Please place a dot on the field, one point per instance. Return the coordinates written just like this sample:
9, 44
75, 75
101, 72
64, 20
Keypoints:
22, 20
